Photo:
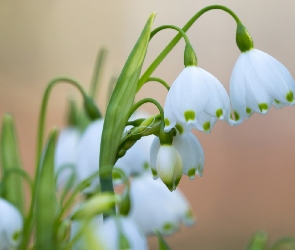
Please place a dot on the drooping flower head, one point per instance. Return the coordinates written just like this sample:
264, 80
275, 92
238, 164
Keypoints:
196, 98
258, 81
163, 210
113, 233
190, 151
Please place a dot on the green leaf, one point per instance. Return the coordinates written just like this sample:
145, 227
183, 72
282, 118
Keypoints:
258, 241
10, 159
46, 203
162, 245
286, 243
120, 103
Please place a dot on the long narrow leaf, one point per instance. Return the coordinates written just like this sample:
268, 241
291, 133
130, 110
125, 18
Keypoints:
46, 204
10, 159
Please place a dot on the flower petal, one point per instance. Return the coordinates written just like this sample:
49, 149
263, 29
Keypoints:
191, 153
88, 150
153, 157
169, 166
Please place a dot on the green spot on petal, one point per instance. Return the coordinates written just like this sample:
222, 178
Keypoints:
276, 101
263, 106
16, 235
206, 126
154, 172
189, 115
237, 116
146, 165
168, 226
248, 110
179, 128
167, 122
219, 113
290, 96
189, 214
191, 173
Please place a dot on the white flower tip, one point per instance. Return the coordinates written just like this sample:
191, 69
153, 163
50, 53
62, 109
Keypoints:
207, 127
155, 177
167, 128
191, 173
188, 218
219, 114
263, 107
192, 177
168, 125
155, 174
190, 116
199, 173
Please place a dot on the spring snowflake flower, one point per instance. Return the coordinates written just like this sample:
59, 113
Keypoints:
11, 225
190, 151
87, 154
258, 81
65, 161
196, 98
112, 234
163, 210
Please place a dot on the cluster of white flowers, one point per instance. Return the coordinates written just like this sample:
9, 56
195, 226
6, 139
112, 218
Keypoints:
153, 207
198, 99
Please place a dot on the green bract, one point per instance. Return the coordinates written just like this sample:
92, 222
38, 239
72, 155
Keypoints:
120, 103
243, 38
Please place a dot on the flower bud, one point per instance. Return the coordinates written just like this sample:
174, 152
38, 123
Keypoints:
169, 166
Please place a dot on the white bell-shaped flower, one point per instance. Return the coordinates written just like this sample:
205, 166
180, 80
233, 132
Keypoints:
258, 81
65, 151
155, 208
87, 154
195, 92
190, 151
113, 234
166, 163
11, 225
136, 159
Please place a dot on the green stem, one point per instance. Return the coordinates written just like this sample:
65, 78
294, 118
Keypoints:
182, 33
20, 172
40, 140
146, 100
159, 80
176, 39
41, 124
97, 72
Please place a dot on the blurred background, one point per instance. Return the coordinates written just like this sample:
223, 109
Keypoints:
249, 176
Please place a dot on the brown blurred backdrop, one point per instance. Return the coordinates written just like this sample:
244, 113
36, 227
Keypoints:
248, 182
